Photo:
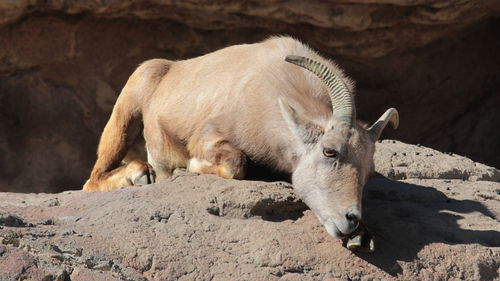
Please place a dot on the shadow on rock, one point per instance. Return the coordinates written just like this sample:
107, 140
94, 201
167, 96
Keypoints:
405, 218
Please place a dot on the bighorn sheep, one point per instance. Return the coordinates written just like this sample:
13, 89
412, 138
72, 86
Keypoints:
243, 103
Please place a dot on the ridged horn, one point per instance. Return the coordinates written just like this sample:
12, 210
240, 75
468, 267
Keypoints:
342, 99
391, 115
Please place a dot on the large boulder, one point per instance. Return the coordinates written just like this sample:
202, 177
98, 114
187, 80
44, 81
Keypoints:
193, 227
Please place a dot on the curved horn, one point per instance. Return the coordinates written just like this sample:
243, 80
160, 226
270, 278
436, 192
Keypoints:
391, 115
342, 99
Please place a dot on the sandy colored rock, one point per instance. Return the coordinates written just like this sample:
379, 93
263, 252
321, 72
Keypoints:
194, 227
398, 160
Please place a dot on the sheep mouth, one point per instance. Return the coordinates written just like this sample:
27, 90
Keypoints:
333, 230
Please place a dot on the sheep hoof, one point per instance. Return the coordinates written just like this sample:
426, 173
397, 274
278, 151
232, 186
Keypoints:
361, 241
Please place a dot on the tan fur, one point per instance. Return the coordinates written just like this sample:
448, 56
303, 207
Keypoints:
233, 90
123, 127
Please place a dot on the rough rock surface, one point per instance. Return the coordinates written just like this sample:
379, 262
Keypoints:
398, 160
194, 227
63, 62
385, 25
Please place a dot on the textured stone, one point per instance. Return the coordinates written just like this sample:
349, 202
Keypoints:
424, 229
381, 26
16, 264
397, 160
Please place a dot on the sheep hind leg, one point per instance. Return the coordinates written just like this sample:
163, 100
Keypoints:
108, 173
133, 173
165, 152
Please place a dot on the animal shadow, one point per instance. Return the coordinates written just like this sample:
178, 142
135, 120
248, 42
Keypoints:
405, 217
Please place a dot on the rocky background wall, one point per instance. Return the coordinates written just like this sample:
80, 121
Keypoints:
63, 63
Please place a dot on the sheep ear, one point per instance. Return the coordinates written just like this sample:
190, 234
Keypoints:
303, 128
390, 116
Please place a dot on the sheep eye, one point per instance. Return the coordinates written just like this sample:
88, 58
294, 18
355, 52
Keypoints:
329, 152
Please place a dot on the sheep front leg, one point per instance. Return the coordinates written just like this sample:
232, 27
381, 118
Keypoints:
213, 154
